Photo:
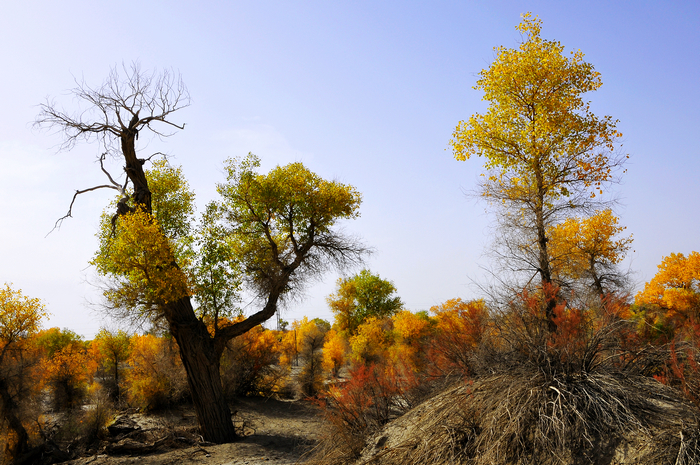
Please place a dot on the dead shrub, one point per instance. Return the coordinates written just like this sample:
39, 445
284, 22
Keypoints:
509, 419
98, 413
677, 446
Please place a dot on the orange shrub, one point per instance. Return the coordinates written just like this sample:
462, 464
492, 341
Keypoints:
460, 327
155, 377
248, 365
365, 402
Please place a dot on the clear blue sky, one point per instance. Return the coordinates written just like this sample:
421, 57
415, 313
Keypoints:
364, 92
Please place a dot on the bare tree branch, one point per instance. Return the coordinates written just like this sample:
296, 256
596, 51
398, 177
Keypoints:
116, 112
155, 96
58, 223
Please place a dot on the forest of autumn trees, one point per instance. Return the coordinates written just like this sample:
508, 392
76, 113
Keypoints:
559, 333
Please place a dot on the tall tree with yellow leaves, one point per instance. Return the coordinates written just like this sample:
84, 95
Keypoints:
546, 153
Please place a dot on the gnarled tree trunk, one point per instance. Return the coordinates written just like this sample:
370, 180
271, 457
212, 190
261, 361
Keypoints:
197, 352
202, 366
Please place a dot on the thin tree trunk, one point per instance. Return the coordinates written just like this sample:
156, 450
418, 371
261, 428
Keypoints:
550, 296
597, 282
18, 444
117, 393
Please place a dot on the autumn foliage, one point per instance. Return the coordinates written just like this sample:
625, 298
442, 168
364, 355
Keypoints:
67, 366
674, 292
335, 349
460, 327
667, 311
550, 367
368, 400
249, 364
155, 378
587, 249
109, 351
20, 319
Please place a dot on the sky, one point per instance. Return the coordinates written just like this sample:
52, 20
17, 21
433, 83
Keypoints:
364, 92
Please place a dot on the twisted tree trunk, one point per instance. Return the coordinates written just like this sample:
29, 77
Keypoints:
196, 346
201, 363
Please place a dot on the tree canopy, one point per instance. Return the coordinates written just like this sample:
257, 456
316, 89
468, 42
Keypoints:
281, 227
588, 249
360, 297
138, 252
675, 288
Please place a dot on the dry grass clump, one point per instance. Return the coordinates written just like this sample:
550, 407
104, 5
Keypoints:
513, 420
677, 446
583, 394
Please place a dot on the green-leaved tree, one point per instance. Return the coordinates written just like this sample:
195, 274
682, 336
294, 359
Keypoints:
362, 296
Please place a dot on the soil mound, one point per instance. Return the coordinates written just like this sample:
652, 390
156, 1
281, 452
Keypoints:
602, 420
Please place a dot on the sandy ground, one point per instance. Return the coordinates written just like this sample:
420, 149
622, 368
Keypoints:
276, 433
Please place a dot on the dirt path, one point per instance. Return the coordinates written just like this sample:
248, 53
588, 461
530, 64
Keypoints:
277, 433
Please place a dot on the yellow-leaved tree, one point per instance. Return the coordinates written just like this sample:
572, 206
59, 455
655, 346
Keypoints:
334, 352
20, 317
588, 249
546, 153
674, 292
110, 349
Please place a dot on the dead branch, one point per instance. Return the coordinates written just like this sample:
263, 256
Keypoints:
113, 185
59, 221
115, 108
117, 111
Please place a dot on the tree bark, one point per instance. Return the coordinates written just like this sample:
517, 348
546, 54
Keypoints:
597, 281
201, 363
134, 165
18, 444
550, 296
117, 393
